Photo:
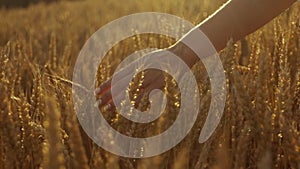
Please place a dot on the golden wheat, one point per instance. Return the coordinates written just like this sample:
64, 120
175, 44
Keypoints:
260, 127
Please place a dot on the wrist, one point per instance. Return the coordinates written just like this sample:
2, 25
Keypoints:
184, 53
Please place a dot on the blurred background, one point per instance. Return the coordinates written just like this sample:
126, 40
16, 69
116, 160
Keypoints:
39, 44
21, 3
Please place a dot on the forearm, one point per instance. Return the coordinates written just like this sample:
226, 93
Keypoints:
236, 19
239, 18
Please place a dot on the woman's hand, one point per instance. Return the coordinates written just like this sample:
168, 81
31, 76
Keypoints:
152, 78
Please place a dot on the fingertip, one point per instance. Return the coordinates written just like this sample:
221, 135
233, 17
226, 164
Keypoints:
107, 107
98, 103
97, 91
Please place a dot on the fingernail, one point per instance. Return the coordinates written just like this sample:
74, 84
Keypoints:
107, 107
97, 90
98, 102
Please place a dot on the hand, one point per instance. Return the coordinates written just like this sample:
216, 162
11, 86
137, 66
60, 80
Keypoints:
152, 79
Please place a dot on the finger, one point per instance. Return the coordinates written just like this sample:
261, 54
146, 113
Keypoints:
110, 105
153, 79
142, 97
105, 107
122, 73
107, 97
119, 76
104, 99
104, 87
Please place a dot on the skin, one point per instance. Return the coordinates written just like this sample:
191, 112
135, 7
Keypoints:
234, 20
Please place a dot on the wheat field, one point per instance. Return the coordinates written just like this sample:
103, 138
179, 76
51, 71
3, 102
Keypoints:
260, 127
